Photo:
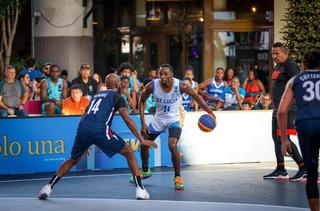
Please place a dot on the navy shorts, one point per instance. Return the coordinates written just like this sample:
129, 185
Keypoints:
309, 133
110, 145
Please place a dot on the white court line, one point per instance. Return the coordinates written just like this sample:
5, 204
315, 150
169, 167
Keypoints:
129, 174
161, 201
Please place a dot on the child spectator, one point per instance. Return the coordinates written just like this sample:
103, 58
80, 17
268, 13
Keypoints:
128, 94
101, 87
187, 100
246, 105
76, 104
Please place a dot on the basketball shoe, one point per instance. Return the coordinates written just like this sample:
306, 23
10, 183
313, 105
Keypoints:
178, 183
142, 194
45, 192
144, 175
277, 174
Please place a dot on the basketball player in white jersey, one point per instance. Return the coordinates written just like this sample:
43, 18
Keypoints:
167, 92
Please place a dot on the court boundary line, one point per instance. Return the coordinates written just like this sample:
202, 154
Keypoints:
129, 174
161, 201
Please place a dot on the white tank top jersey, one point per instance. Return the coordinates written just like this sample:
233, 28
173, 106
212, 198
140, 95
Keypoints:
168, 104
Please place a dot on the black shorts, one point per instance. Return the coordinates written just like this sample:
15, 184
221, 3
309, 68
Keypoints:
174, 132
110, 144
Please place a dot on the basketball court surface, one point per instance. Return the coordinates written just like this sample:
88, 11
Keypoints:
207, 187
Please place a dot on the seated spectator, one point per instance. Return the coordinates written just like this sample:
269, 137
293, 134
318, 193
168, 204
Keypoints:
253, 87
187, 100
233, 96
152, 74
129, 95
25, 80
52, 91
97, 77
150, 104
64, 75
246, 105
87, 83
76, 104
214, 89
229, 74
12, 95
101, 87
189, 73
46, 70
265, 103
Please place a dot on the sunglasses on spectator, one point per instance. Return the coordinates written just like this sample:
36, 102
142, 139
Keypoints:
85, 66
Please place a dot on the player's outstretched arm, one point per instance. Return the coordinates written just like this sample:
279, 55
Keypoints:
132, 126
189, 91
282, 115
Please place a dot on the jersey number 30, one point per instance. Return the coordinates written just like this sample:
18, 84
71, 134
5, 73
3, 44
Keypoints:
94, 106
312, 89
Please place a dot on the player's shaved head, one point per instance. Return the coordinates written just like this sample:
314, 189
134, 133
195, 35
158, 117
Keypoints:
112, 81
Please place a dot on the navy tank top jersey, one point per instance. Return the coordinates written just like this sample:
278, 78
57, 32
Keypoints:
100, 111
306, 88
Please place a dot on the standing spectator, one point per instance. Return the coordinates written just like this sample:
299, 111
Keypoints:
64, 75
265, 103
233, 96
228, 76
253, 87
12, 94
126, 69
214, 89
242, 74
304, 88
97, 77
150, 104
76, 104
31, 70
52, 91
46, 70
129, 95
87, 83
282, 73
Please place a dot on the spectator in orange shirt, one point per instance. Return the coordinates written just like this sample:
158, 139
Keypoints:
76, 104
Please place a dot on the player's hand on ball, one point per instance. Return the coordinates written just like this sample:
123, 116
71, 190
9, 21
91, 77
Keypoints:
149, 144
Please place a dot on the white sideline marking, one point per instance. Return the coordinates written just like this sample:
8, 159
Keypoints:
161, 201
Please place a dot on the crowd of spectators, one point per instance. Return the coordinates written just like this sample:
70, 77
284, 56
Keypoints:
51, 92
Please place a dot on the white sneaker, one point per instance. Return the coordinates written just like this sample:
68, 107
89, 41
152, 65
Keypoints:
45, 192
142, 193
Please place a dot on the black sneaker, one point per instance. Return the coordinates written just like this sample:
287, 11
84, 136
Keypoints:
277, 174
298, 176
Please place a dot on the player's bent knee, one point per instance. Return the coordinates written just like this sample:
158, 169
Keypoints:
126, 150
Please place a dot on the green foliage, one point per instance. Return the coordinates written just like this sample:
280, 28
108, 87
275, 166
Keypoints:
302, 27
7, 6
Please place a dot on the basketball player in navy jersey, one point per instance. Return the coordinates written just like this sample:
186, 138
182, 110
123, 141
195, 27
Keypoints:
95, 128
305, 89
167, 92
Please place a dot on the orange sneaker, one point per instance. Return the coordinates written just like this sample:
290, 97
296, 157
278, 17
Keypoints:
178, 183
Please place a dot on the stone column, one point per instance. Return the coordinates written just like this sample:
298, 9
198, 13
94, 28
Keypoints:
279, 11
60, 37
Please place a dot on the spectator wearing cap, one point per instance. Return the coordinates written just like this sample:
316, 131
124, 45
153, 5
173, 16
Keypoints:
46, 69
76, 104
86, 82
52, 92
12, 94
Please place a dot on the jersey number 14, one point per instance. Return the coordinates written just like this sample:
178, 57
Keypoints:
94, 106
